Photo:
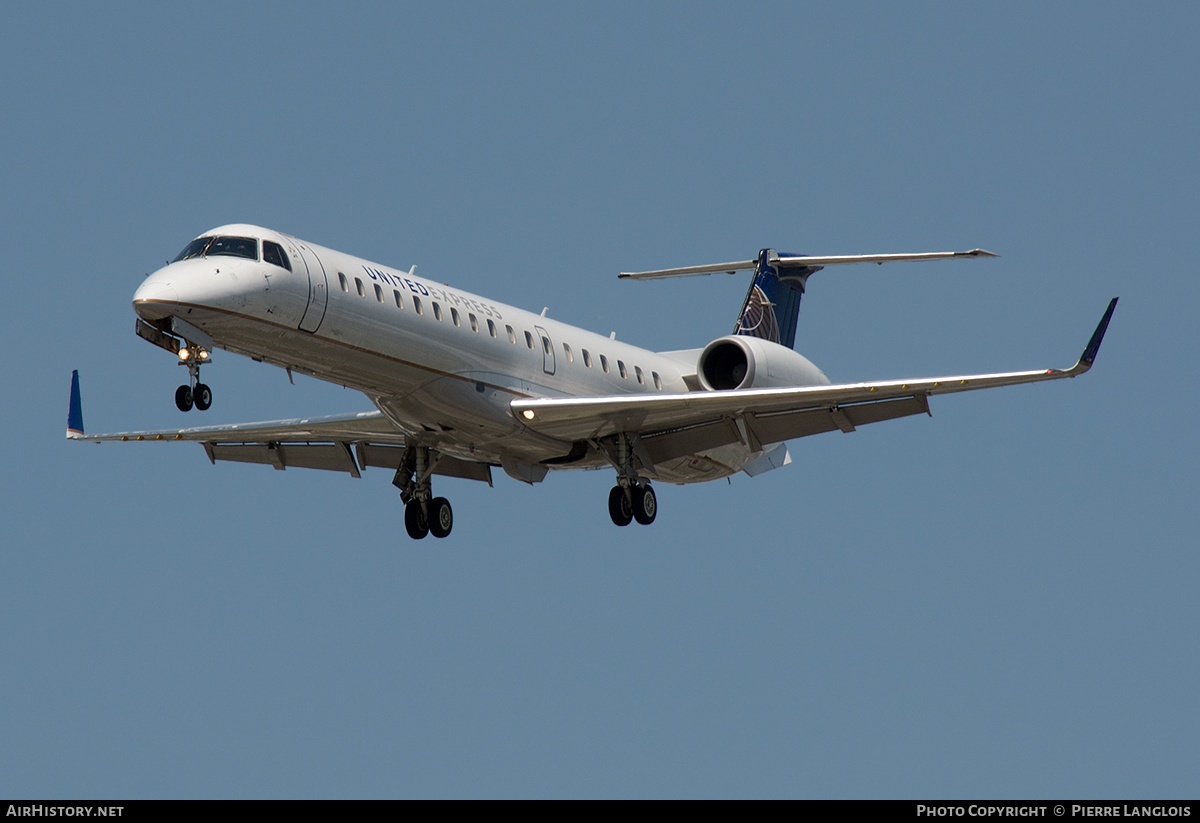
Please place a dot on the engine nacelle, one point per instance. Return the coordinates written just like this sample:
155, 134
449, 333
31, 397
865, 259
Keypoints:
742, 362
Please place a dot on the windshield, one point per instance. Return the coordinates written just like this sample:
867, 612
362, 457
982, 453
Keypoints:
220, 246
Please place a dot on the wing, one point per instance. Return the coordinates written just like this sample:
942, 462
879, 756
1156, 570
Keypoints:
671, 425
341, 442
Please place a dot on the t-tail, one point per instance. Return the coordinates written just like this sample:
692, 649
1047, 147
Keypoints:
771, 309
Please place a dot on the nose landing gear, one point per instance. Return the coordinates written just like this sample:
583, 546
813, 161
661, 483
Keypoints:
193, 392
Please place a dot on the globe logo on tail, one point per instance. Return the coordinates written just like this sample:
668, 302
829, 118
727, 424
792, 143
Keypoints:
758, 317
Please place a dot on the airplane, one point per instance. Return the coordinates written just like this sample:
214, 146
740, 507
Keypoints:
461, 384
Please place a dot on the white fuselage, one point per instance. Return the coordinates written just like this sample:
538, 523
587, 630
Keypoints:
441, 364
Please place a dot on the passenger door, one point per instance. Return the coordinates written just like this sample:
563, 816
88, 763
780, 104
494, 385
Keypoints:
318, 288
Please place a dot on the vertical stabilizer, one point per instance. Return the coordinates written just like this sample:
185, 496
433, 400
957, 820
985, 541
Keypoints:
772, 305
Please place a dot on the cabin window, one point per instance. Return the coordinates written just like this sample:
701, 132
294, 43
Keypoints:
587, 358
474, 321
378, 293
567, 352
342, 282
399, 302
529, 340
358, 285
621, 368
491, 328
657, 380
512, 336
417, 305
604, 363
546, 344
437, 310
641, 378
273, 254
454, 316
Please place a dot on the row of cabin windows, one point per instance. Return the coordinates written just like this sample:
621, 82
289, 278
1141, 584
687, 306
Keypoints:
512, 335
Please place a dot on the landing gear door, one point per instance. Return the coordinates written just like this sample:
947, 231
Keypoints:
547, 350
318, 287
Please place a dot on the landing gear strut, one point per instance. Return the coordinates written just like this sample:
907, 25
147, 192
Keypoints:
193, 392
423, 513
632, 498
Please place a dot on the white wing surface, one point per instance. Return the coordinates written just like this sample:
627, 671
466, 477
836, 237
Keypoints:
343, 442
676, 424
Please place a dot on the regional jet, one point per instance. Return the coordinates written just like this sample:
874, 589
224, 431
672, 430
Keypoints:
462, 385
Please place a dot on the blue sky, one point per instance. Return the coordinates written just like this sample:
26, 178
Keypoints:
995, 602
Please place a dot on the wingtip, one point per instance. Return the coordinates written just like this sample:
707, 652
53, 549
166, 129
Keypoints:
1089, 354
75, 410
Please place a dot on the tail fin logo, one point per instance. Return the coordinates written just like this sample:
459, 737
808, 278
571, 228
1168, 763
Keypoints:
772, 304
758, 316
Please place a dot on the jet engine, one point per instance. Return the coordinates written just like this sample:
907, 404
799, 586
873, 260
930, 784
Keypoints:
742, 362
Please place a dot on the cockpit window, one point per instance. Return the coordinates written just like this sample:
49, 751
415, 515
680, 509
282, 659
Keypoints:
219, 246
273, 253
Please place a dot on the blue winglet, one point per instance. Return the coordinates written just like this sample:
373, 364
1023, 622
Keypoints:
1093, 346
75, 412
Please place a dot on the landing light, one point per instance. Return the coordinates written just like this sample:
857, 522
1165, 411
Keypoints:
184, 354
203, 354
527, 414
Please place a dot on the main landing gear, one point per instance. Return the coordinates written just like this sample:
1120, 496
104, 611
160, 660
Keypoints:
635, 501
632, 498
423, 513
428, 517
193, 392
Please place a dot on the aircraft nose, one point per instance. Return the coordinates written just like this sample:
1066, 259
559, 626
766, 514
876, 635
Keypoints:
153, 298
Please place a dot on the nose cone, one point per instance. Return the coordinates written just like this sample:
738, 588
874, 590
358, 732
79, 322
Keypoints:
154, 298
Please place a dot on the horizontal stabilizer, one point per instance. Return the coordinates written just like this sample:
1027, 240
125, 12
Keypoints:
806, 261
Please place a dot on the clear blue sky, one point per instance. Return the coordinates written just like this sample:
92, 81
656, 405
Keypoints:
999, 601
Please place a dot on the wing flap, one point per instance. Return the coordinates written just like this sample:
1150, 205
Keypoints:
389, 457
758, 429
342, 456
283, 455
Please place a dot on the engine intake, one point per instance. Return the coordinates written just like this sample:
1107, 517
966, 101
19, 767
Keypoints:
725, 365
742, 362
